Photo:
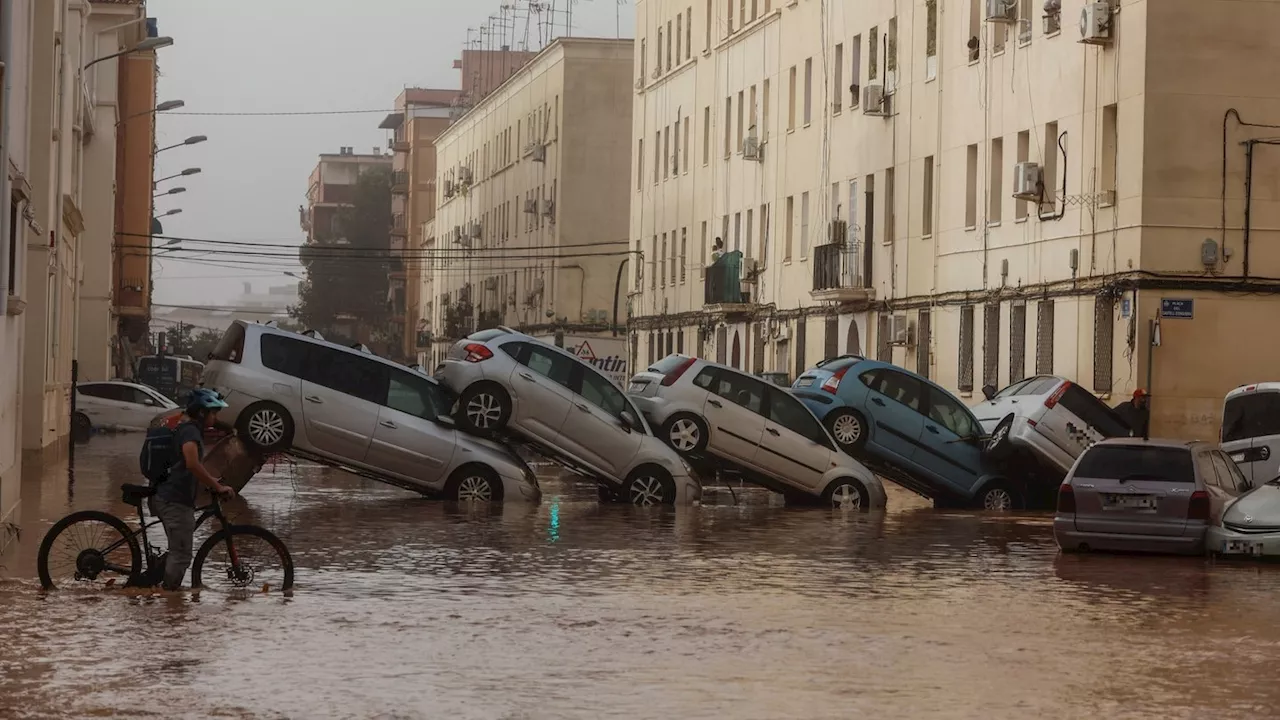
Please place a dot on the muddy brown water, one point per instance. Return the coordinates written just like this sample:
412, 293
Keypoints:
407, 608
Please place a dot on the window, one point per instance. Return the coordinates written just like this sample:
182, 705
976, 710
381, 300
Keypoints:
728, 18
996, 192
702, 265
12, 240
728, 125
673, 256
804, 225
657, 161
1050, 163
755, 9
666, 152
895, 386
670, 41
971, 188
687, 123
1024, 147
746, 248
229, 349
791, 224
991, 344
763, 131
944, 410
706, 43
549, 364
654, 261
679, 37
737, 231
1110, 147
873, 53
741, 109
891, 52
412, 395
688, 33
1251, 415
926, 199
1134, 462
283, 354
764, 234
930, 39
684, 253
347, 373
1017, 342
106, 392
890, 217
680, 341
1225, 480
752, 110
741, 390
640, 164
1103, 342
657, 60
855, 71
706, 135
924, 340
837, 88
662, 261
788, 412
1095, 413
975, 29
597, 390
1044, 337
706, 377
808, 91
791, 100
999, 36
965, 379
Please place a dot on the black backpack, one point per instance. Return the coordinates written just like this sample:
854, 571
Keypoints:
159, 453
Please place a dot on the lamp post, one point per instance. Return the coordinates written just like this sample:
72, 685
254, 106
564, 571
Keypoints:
154, 43
193, 140
171, 191
184, 173
165, 106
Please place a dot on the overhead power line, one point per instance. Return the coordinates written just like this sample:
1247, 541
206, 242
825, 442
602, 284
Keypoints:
282, 113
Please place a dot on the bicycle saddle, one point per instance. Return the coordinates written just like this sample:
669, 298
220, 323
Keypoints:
135, 494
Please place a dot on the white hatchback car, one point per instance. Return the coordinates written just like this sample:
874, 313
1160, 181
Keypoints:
702, 408
118, 405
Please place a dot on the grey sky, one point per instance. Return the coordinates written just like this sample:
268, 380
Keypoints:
291, 56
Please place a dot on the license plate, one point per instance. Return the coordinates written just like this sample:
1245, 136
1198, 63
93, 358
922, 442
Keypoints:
804, 382
636, 387
1241, 547
1237, 457
1131, 502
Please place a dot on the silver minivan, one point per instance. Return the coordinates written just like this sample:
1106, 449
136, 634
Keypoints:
1251, 430
300, 394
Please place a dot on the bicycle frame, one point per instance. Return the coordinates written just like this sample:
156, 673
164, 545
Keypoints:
213, 509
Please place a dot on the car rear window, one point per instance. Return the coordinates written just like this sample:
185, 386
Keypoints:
837, 363
487, 335
1089, 408
1250, 416
668, 363
231, 347
1137, 462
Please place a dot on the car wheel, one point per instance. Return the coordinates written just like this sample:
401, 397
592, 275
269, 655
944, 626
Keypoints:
849, 429
998, 446
81, 427
847, 494
686, 433
473, 483
998, 496
648, 486
266, 426
484, 407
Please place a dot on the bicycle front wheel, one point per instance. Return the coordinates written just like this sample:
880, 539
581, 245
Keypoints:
241, 559
89, 547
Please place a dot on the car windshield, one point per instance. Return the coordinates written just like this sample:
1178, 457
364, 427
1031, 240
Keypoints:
667, 364
1251, 415
1137, 462
1011, 390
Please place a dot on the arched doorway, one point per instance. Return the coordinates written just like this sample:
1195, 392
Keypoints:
853, 343
737, 350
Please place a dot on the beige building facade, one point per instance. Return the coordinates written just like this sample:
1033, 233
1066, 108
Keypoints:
976, 191
531, 229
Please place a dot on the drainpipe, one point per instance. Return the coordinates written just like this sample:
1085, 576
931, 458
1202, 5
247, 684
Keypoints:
1248, 203
617, 289
6, 192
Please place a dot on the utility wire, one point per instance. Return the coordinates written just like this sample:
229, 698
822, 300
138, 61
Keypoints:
322, 246
281, 113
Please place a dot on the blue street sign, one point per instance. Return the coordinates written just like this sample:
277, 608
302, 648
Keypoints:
1178, 309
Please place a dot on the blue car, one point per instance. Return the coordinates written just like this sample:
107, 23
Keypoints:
913, 431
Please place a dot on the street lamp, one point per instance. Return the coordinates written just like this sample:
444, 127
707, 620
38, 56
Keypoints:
174, 211
184, 173
171, 191
154, 43
193, 140
162, 107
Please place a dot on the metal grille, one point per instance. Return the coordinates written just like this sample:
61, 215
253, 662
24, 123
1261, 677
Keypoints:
1017, 343
651, 348
800, 342
1044, 338
722, 345
757, 353
832, 340
702, 342
671, 342
991, 344
1103, 342
965, 380
884, 335
924, 330
680, 341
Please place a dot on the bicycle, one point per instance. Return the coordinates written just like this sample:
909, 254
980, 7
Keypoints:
121, 557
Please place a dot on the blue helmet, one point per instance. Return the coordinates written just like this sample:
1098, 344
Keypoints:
204, 399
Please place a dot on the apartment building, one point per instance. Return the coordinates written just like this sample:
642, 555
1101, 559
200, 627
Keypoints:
15, 186
421, 115
531, 226
978, 191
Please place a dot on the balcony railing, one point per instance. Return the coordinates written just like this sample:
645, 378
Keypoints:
400, 181
723, 285
398, 224
837, 272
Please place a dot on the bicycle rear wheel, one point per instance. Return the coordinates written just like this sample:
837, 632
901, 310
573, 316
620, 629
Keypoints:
90, 547
243, 559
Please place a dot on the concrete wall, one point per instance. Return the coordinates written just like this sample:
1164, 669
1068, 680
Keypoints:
137, 96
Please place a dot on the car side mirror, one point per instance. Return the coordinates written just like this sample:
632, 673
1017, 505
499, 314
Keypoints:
988, 391
446, 420
148, 401
627, 420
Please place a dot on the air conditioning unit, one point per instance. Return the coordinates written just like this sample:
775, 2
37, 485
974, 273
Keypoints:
448, 188
783, 333
547, 207
464, 175
1002, 11
874, 101
531, 206
838, 232
1095, 23
752, 149
900, 330
475, 231
1027, 181
539, 152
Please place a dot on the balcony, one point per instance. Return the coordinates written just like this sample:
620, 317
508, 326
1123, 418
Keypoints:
722, 291
837, 274
400, 143
399, 226
400, 182
423, 339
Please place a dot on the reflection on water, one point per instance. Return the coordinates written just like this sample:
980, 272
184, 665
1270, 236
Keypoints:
569, 609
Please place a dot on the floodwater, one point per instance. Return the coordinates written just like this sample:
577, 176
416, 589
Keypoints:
406, 608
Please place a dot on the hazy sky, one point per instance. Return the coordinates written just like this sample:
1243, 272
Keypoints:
294, 56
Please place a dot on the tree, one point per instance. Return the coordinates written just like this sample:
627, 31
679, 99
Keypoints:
203, 343
347, 275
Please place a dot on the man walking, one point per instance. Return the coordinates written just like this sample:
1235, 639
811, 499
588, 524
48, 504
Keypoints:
1135, 413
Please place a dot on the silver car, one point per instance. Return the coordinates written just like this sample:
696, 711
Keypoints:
300, 394
704, 409
510, 382
1250, 526
1130, 494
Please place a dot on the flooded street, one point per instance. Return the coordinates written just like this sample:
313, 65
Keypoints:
406, 608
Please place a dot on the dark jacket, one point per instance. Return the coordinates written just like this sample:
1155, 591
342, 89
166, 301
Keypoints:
1138, 419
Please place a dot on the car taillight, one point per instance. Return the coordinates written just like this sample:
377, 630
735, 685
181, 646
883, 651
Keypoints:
670, 378
1198, 508
477, 352
832, 383
1052, 401
1066, 499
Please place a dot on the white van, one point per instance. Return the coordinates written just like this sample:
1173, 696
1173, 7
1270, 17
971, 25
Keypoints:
1251, 430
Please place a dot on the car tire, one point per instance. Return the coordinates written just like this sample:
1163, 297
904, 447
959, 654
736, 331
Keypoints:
998, 447
686, 433
266, 427
81, 427
998, 495
473, 483
847, 494
484, 407
649, 485
851, 425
